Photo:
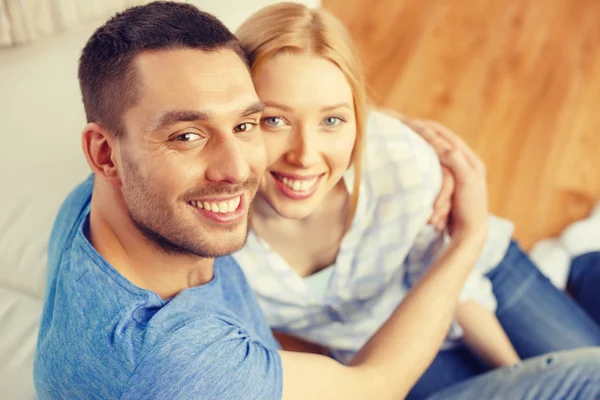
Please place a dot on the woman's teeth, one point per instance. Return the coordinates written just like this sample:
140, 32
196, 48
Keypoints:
220, 206
299, 185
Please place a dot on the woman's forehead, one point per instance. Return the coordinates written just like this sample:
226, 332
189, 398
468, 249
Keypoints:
303, 78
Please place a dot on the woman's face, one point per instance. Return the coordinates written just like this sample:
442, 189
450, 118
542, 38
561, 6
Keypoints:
309, 129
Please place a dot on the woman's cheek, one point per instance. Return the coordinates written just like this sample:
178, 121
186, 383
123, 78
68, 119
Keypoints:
342, 149
275, 149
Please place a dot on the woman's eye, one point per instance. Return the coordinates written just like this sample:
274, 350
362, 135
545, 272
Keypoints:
245, 127
188, 137
332, 121
273, 121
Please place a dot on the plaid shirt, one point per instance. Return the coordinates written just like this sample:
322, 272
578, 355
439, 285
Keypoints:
386, 250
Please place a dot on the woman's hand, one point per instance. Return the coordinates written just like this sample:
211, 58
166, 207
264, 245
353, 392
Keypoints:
469, 212
468, 190
430, 131
462, 201
455, 156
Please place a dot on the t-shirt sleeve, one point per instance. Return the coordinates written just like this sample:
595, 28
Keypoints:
208, 360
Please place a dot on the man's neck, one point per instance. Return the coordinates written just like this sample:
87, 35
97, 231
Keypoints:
114, 235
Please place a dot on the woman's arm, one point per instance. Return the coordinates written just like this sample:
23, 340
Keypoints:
482, 330
392, 361
397, 355
484, 335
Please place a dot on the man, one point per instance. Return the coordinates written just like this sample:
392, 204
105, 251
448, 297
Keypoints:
142, 299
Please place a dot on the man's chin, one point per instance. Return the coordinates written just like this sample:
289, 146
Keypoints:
222, 251
225, 244
205, 242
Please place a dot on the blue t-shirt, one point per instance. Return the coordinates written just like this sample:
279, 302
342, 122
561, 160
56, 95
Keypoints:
101, 337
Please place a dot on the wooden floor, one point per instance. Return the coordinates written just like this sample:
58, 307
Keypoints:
519, 80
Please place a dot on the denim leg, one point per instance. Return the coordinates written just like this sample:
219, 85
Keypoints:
449, 367
584, 283
570, 375
537, 317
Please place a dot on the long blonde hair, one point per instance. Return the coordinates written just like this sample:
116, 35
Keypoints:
295, 28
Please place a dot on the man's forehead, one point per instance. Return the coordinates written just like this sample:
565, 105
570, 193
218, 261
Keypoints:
213, 82
192, 69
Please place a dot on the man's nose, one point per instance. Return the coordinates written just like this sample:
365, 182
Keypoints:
227, 162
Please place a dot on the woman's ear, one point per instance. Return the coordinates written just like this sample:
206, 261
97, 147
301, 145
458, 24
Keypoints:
98, 146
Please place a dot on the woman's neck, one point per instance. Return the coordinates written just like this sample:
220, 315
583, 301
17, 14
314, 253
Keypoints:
307, 244
334, 207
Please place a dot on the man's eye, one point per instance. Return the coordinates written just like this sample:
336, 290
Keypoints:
273, 121
245, 127
188, 137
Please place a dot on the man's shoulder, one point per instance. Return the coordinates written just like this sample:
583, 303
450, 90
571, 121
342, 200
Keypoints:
100, 332
103, 355
212, 349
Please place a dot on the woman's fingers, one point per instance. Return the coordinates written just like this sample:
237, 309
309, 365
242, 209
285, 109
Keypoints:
457, 163
429, 132
443, 202
469, 205
462, 202
457, 142
447, 189
441, 216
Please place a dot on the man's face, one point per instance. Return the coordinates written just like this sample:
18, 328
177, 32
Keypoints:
192, 152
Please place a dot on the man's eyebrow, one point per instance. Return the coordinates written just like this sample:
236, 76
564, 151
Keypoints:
323, 109
169, 118
255, 108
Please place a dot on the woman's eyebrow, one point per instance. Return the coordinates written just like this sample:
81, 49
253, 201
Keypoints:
333, 107
277, 105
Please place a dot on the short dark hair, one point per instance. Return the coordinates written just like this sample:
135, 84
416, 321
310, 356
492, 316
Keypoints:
106, 76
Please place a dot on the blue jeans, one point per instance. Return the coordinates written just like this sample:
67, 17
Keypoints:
584, 283
537, 317
569, 375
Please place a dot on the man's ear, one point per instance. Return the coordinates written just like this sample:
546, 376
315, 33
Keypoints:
99, 147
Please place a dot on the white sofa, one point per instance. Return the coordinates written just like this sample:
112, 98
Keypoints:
41, 117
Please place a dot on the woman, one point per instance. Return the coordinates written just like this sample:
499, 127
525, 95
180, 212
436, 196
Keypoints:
339, 227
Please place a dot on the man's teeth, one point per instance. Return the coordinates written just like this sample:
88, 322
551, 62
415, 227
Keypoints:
299, 185
219, 207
